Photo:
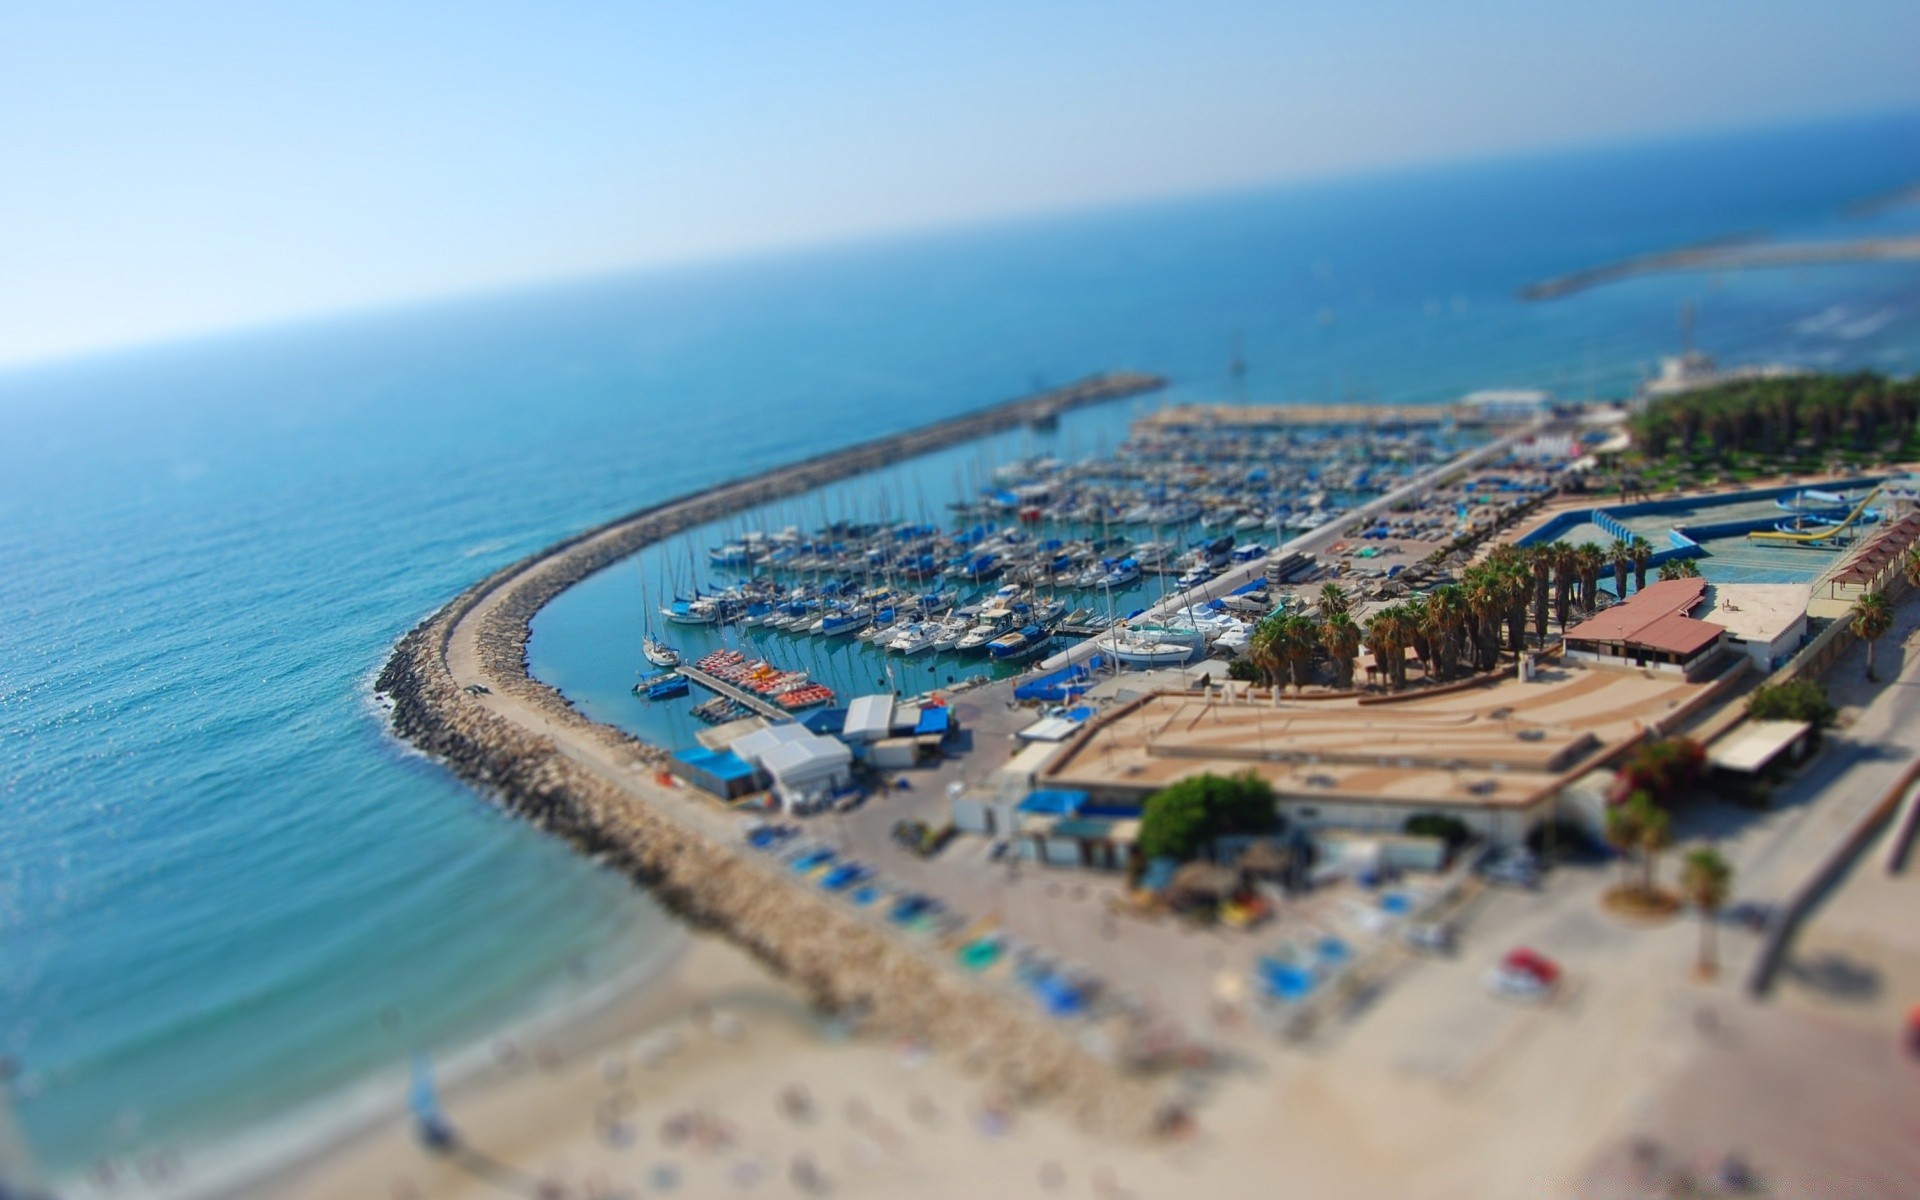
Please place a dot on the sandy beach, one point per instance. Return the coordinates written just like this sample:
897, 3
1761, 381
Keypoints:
719, 1080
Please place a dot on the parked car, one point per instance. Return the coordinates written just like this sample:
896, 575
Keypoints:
1524, 974
1511, 868
1430, 937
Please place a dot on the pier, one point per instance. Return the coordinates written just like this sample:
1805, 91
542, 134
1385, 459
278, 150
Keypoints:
1735, 254
461, 691
759, 704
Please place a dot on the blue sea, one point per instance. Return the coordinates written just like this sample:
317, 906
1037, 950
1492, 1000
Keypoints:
227, 896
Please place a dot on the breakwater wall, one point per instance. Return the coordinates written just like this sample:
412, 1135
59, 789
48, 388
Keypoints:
459, 689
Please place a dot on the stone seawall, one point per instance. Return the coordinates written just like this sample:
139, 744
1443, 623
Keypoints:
522, 742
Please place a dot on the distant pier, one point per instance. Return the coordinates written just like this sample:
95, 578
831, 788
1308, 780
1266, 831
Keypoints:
1735, 254
739, 695
462, 691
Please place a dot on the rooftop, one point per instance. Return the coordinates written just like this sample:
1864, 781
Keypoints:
1879, 552
1654, 603
1503, 744
1755, 744
1756, 612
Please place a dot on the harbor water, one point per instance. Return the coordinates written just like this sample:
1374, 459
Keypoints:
226, 895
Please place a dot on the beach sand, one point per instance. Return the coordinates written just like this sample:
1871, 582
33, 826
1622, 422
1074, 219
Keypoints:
719, 1080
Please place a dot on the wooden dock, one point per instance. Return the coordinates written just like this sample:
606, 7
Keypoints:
759, 704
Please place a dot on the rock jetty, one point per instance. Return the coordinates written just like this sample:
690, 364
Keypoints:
460, 690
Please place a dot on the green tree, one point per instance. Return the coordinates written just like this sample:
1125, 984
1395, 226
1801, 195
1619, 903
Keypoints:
1341, 637
1332, 599
1707, 879
1620, 556
1794, 700
1641, 552
1639, 829
1679, 568
1174, 823
1264, 648
1872, 616
1299, 645
1663, 770
1181, 819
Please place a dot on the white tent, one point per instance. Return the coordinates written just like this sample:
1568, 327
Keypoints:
755, 746
869, 719
807, 773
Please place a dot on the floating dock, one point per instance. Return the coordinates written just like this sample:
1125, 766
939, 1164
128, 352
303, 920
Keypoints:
759, 704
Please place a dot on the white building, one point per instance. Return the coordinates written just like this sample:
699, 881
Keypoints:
804, 769
1765, 621
869, 719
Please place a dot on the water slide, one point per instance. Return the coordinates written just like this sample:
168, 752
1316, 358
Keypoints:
1815, 536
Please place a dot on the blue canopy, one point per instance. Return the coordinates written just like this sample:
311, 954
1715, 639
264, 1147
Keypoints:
933, 720
1284, 980
1053, 803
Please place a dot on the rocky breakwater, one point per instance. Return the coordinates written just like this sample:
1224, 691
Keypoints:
460, 690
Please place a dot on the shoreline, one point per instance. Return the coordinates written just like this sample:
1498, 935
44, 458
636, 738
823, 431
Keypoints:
339, 1124
460, 691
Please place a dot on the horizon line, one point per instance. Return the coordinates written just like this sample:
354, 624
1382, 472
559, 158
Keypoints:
911, 232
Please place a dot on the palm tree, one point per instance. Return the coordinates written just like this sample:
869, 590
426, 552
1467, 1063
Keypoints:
1332, 600
1622, 831
1872, 617
1483, 604
1341, 637
1639, 828
1386, 640
1708, 880
1443, 618
1911, 565
1515, 585
1563, 581
1264, 648
1299, 643
1588, 559
1679, 568
1414, 612
1656, 834
1641, 551
1621, 556
1541, 560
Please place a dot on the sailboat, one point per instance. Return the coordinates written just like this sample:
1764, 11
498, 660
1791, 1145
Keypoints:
658, 652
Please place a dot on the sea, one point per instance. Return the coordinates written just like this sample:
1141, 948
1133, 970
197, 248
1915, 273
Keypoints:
232, 907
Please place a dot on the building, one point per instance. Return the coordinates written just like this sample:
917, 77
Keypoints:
1496, 754
804, 770
1876, 565
1753, 747
721, 772
1651, 630
869, 719
1765, 621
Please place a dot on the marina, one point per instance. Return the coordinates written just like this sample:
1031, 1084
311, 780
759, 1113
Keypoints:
974, 563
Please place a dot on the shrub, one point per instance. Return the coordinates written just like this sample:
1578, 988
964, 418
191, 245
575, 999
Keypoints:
1179, 820
1243, 670
1452, 830
1794, 700
1664, 770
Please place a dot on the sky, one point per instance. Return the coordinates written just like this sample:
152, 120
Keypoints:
172, 170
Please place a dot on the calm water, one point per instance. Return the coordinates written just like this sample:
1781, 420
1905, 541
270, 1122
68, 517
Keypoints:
218, 875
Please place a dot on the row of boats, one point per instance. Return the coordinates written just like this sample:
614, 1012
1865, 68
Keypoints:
918, 554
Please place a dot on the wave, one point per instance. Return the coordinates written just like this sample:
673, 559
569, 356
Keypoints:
238, 1163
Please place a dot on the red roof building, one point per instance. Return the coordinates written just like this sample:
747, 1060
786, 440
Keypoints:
1650, 629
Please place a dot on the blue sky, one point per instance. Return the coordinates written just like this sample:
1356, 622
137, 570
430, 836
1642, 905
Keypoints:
168, 170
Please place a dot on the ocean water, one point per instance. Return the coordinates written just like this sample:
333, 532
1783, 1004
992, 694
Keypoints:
225, 895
